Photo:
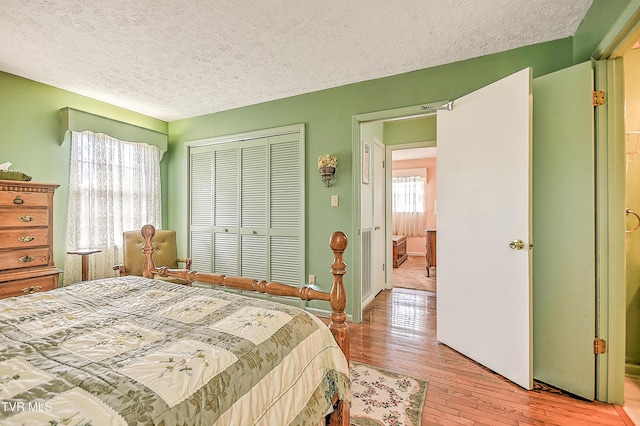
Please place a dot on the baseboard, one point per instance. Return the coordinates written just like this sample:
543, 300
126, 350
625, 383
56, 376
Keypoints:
632, 370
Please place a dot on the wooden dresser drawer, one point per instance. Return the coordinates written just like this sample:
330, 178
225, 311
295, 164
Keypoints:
23, 199
27, 286
24, 238
26, 258
13, 218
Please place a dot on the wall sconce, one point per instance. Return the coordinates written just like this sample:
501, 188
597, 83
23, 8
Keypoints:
327, 167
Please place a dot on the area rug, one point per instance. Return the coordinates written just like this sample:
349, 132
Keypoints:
381, 397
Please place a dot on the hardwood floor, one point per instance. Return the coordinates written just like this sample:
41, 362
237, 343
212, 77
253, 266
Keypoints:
398, 332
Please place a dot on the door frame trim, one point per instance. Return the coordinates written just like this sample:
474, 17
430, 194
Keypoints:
610, 236
610, 202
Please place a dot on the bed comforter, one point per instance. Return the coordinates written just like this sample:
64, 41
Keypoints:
145, 352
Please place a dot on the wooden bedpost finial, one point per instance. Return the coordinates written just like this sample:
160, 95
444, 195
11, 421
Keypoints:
148, 231
338, 300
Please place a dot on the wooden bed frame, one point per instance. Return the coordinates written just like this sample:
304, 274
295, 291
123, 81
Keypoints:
337, 298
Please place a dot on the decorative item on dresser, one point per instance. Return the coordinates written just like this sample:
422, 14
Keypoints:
26, 238
399, 250
430, 244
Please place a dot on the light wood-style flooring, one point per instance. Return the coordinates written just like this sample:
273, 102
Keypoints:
398, 332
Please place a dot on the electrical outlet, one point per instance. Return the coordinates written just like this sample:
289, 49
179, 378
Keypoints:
334, 201
312, 279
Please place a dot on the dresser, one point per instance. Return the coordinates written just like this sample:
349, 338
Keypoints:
26, 238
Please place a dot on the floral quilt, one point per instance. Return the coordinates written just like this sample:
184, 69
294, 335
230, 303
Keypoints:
134, 351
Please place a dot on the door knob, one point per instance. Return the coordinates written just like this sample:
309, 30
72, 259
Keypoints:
377, 228
516, 245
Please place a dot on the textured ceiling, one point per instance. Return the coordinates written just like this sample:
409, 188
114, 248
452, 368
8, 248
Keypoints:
174, 59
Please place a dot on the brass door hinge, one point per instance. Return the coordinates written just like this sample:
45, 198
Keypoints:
599, 346
597, 97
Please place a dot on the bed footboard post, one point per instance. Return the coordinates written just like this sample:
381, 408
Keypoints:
148, 231
338, 296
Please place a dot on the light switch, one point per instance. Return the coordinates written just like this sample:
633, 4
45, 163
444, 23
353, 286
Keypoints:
334, 201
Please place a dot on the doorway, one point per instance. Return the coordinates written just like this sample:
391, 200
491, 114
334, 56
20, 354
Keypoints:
379, 124
413, 215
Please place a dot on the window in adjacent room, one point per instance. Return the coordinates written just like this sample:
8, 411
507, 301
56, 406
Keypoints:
408, 205
114, 186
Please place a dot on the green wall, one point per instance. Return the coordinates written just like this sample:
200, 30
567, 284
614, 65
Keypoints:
420, 129
30, 133
601, 17
328, 118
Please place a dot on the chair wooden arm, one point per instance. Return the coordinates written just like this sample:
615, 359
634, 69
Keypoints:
120, 268
186, 261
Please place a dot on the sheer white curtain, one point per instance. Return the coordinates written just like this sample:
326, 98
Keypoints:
408, 205
114, 186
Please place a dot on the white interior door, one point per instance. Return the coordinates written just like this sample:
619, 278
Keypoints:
379, 245
484, 286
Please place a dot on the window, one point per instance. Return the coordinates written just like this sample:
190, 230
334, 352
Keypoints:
408, 205
408, 194
114, 186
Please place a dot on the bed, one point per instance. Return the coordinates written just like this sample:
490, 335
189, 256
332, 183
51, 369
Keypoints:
142, 351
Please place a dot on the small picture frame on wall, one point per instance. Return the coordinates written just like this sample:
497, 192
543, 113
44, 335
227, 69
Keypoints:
366, 162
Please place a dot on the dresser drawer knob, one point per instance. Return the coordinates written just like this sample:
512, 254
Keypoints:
31, 289
26, 218
18, 200
25, 259
26, 238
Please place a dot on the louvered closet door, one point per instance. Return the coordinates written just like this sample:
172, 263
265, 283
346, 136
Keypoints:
225, 209
253, 209
246, 207
201, 209
285, 220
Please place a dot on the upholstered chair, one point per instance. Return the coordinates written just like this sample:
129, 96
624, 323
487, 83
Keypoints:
165, 254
